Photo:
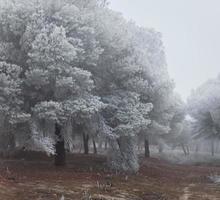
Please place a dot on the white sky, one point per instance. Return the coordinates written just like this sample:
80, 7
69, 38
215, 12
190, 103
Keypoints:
191, 35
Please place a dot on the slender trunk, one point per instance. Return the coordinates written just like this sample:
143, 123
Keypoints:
86, 143
94, 147
216, 147
184, 150
147, 149
80, 148
11, 143
60, 156
160, 148
106, 144
139, 147
187, 149
212, 147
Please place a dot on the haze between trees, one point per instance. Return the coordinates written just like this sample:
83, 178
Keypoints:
75, 68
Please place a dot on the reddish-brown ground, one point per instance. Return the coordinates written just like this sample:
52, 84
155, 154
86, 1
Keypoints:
87, 178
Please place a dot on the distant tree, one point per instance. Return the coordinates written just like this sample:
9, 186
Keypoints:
180, 134
133, 64
203, 106
158, 87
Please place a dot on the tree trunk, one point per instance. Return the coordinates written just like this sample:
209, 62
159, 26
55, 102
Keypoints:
94, 147
184, 150
187, 149
160, 148
11, 143
80, 148
106, 144
60, 156
212, 147
86, 143
147, 149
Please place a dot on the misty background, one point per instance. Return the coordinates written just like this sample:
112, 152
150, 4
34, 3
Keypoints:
190, 31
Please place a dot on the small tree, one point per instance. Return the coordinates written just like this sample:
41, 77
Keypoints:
127, 116
203, 106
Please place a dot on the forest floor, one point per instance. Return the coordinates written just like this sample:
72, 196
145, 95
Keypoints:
86, 178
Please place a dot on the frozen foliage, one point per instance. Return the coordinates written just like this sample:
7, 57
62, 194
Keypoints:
11, 113
127, 117
39, 141
78, 68
10, 86
215, 178
203, 106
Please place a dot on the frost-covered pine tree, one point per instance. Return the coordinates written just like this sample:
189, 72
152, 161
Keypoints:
156, 86
132, 70
51, 42
180, 127
203, 106
11, 101
84, 70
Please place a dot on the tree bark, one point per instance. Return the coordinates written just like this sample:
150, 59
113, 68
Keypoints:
212, 147
94, 147
146, 148
60, 156
106, 144
184, 150
11, 143
187, 149
160, 148
86, 143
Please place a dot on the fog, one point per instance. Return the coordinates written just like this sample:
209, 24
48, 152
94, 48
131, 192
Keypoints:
190, 30
88, 105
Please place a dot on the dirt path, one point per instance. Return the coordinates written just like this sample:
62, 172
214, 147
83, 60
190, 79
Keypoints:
186, 194
201, 192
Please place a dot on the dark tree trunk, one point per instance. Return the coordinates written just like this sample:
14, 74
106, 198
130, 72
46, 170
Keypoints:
212, 147
11, 143
94, 147
187, 149
184, 150
147, 149
160, 149
86, 143
106, 144
60, 156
